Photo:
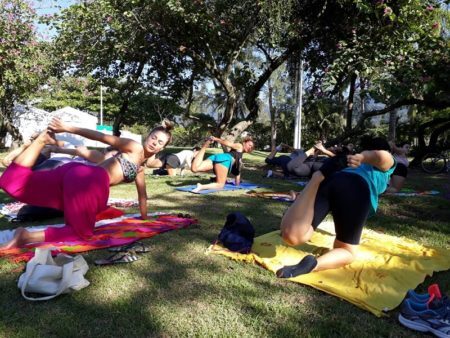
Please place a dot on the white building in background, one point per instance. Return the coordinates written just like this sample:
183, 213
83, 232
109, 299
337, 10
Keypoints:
30, 120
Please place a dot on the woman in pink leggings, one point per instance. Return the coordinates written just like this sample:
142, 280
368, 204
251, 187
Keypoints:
80, 190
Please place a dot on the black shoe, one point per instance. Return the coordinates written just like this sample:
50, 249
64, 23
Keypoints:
333, 164
160, 172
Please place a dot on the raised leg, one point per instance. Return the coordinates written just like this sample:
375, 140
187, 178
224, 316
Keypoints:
200, 165
28, 157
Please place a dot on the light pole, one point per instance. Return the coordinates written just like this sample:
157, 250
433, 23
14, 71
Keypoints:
101, 104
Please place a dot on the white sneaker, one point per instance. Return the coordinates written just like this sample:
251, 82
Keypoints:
269, 173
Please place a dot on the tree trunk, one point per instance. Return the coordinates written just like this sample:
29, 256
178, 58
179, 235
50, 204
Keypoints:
392, 125
350, 102
423, 147
273, 126
436, 133
7, 126
129, 90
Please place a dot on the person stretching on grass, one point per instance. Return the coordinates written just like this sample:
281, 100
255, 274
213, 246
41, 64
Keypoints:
80, 190
222, 163
350, 193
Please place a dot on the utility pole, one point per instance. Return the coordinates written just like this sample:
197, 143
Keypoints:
298, 111
101, 104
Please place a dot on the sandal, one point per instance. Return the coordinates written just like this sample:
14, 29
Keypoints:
137, 247
117, 258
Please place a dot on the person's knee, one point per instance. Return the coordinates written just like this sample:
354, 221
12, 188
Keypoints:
293, 238
194, 168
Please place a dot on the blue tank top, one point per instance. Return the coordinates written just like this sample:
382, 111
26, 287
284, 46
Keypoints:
376, 179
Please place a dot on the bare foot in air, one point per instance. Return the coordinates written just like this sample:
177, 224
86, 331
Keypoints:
47, 137
319, 146
198, 188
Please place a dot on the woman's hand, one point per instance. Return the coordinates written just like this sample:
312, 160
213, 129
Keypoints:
57, 126
355, 161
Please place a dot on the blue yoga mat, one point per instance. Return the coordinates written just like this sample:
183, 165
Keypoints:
227, 187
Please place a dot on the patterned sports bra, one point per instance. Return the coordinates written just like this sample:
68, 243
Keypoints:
129, 168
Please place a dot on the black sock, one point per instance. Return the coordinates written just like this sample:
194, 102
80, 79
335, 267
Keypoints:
306, 265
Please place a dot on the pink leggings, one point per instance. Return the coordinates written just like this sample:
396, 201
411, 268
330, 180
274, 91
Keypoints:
80, 190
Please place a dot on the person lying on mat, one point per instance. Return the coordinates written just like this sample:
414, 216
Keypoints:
348, 186
222, 163
80, 190
401, 170
302, 163
171, 162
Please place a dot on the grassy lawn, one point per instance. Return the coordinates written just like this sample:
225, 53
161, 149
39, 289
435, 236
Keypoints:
178, 290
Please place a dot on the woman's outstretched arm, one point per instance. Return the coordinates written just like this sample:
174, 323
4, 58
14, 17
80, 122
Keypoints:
122, 144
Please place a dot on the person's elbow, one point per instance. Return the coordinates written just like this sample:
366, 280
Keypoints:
385, 160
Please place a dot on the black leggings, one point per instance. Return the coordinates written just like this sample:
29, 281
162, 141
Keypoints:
347, 196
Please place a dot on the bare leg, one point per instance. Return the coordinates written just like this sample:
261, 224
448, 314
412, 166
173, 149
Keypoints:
29, 156
200, 165
221, 179
341, 254
272, 153
296, 225
171, 171
22, 237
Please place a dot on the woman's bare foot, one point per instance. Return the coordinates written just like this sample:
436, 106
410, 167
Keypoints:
17, 241
293, 195
47, 137
198, 188
319, 146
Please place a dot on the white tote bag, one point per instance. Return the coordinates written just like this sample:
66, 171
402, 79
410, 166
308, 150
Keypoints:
52, 277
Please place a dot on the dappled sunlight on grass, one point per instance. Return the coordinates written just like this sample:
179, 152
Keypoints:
178, 290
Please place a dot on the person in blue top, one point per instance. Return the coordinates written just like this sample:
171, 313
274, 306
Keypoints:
222, 163
348, 186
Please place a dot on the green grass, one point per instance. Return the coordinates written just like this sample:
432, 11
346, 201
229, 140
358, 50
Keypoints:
178, 290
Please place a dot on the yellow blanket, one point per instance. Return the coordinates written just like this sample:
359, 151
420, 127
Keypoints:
377, 281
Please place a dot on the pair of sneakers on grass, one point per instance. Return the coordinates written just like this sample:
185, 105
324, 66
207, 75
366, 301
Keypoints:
429, 312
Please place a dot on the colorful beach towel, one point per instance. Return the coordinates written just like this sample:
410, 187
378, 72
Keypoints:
376, 281
410, 192
10, 210
114, 232
228, 187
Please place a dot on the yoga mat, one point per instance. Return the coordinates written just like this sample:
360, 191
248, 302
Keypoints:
114, 232
409, 193
228, 187
377, 281
277, 196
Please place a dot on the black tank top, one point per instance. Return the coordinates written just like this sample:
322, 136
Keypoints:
237, 165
